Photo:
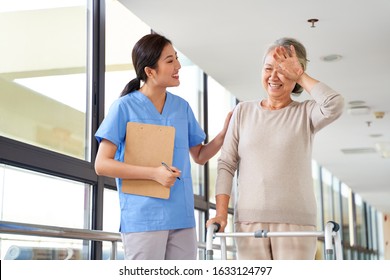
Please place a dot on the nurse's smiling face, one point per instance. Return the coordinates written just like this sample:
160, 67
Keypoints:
166, 73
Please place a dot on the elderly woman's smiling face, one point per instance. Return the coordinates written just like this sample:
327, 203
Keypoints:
275, 83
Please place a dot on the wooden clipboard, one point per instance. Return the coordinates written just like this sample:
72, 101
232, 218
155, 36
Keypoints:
148, 145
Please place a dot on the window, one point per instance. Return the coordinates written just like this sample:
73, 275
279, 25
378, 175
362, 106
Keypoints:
316, 169
347, 219
119, 45
191, 89
33, 198
220, 103
43, 90
336, 201
327, 198
111, 210
361, 230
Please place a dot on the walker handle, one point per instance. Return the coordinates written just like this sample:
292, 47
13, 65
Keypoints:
336, 226
218, 226
213, 228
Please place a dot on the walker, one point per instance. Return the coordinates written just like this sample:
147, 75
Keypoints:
331, 235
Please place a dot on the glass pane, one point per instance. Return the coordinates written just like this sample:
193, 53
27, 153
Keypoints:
220, 103
19, 247
347, 254
327, 195
320, 253
36, 198
111, 211
200, 226
43, 200
318, 193
124, 27
200, 222
370, 226
108, 248
374, 229
336, 201
345, 201
191, 89
360, 222
43, 88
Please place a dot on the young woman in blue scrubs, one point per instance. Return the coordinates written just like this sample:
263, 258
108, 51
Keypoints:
154, 228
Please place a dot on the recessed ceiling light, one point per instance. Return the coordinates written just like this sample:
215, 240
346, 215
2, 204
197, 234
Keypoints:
362, 150
359, 110
356, 102
376, 135
331, 57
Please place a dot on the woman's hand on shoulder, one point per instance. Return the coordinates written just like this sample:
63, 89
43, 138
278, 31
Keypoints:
227, 121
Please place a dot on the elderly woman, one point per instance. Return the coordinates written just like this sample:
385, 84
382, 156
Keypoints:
269, 142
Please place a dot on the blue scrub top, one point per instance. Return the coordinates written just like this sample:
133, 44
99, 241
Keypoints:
140, 213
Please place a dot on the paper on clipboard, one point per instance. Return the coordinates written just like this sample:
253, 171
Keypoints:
148, 145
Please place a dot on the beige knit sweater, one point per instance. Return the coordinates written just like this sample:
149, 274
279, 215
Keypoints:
272, 152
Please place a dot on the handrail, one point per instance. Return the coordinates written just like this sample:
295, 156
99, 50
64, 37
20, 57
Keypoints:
8, 227
60, 232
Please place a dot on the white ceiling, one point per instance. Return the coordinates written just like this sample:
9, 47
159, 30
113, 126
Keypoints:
227, 38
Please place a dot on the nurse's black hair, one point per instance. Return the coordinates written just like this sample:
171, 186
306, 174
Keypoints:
146, 53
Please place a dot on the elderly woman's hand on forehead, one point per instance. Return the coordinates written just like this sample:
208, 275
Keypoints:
287, 62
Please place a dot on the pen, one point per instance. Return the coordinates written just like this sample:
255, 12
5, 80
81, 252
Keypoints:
167, 167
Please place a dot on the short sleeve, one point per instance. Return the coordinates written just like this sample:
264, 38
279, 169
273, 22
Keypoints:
113, 127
